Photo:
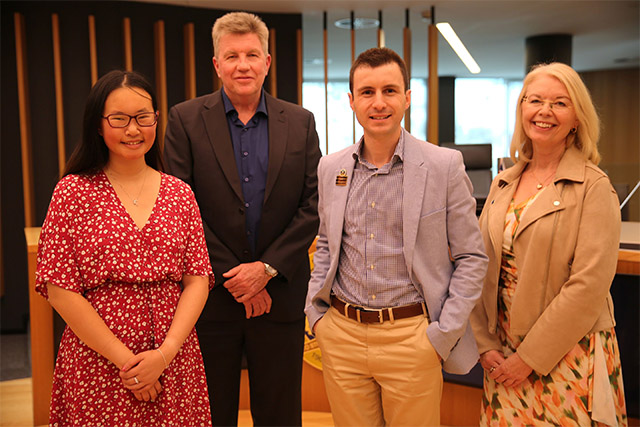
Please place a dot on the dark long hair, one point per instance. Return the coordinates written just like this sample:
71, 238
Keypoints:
92, 153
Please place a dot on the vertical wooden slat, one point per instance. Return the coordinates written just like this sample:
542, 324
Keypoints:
25, 120
189, 60
126, 39
299, 63
93, 50
273, 70
432, 117
406, 47
161, 78
325, 52
57, 71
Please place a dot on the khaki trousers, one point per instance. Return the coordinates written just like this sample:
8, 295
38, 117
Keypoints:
380, 374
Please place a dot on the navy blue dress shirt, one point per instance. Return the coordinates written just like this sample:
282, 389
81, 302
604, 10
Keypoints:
251, 150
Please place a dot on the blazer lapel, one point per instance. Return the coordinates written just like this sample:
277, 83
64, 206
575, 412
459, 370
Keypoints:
215, 121
414, 183
338, 196
278, 133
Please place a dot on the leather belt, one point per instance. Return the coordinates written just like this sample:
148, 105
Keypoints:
363, 315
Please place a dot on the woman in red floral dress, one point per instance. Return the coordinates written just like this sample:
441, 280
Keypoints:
122, 258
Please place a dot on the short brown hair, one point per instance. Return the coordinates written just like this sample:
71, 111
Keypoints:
240, 23
376, 57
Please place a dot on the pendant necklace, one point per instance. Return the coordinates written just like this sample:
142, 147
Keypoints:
541, 182
137, 198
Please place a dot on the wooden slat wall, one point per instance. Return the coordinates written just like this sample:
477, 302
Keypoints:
299, 63
126, 39
189, 61
406, 48
57, 71
161, 79
93, 49
25, 120
273, 70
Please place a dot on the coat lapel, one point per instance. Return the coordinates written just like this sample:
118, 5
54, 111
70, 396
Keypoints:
414, 183
338, 196
215, 121
278, 139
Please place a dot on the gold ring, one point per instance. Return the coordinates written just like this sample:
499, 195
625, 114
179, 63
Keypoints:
136, 380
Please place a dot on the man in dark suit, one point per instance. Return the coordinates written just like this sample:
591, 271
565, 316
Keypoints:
251, 160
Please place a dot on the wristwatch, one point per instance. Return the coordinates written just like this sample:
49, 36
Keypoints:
270, 270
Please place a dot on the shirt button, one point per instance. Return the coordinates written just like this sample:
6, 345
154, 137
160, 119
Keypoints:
246, 205
245, 129
373, 297
246, 179
371, 236
556, 203
372, 267
246, 153
373, 204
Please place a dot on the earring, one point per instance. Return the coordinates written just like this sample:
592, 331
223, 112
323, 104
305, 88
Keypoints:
573, 130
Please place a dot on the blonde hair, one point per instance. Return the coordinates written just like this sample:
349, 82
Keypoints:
588, 130
240, 23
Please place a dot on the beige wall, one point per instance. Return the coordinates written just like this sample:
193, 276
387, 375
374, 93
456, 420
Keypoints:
616, 94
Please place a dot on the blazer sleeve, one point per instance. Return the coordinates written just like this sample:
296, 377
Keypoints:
318, 301
581, 298
469, 259
178, 156
303, 227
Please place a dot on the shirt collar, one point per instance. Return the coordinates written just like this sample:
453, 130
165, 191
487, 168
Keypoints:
398, 153
228, 106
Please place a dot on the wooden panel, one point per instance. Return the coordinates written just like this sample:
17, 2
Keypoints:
406, 48
126, 40
25, 120
628, 263
432, 110
161, 79
273, 70
57, 70
189, 61
41, 318
460, 405
93, 49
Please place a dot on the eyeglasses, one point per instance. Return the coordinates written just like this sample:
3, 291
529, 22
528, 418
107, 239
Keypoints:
123, 120
536, 102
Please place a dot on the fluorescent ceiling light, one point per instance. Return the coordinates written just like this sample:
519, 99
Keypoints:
455, 43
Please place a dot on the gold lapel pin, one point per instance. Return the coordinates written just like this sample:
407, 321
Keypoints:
341, 179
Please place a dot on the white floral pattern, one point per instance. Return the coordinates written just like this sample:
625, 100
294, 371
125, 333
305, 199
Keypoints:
132, 277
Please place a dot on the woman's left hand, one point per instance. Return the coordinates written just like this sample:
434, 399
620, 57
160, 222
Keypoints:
142, 371
512, 372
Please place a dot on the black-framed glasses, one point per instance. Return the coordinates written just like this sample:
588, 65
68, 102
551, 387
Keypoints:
122, 120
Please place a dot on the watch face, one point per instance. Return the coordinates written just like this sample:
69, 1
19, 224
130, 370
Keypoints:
270, 270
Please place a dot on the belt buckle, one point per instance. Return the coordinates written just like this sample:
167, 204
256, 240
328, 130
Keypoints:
380, 316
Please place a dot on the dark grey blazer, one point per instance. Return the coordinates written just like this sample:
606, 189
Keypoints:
198, 150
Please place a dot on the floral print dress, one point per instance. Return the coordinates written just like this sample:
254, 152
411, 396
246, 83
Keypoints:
132, 277
585, 384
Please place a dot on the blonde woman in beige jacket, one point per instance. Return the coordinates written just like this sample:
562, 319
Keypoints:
551, 226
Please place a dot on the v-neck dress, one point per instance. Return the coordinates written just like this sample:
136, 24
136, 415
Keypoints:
584, 388
89, 244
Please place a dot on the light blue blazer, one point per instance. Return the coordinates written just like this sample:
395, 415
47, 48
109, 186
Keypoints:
438, 215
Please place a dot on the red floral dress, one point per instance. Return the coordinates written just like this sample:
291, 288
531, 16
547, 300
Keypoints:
132, 277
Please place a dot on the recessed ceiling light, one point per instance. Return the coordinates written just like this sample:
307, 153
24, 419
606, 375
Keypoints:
358, 24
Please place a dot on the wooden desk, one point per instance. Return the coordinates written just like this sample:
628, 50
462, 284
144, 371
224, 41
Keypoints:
41, 319
629, 259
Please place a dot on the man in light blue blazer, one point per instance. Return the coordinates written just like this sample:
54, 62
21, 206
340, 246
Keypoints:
399, 261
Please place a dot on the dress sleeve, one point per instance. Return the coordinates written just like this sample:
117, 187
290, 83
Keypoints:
56, 261
196, 257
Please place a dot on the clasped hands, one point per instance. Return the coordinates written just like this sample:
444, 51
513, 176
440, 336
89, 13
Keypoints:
246, 282
141, 375
510, 371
